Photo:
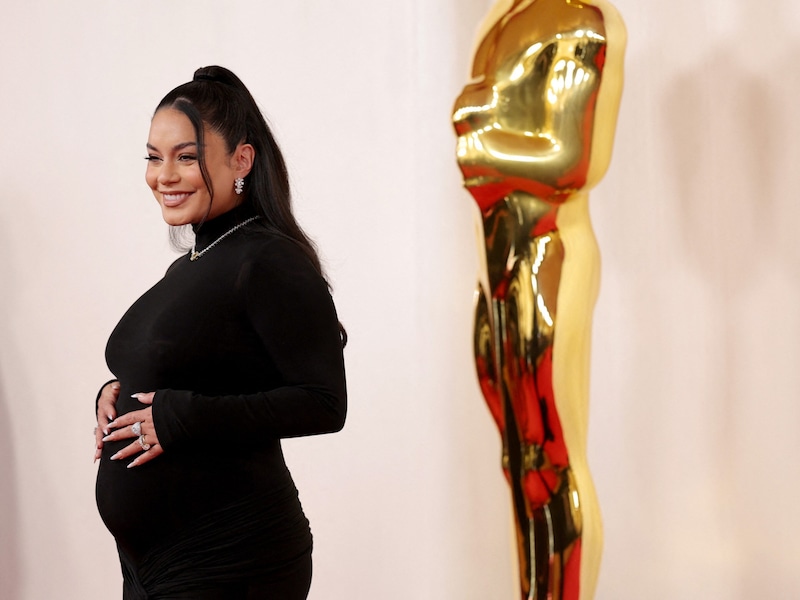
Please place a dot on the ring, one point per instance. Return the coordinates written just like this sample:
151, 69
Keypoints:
145, 446
136, 428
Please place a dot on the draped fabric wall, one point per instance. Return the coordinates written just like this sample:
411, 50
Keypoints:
697, 330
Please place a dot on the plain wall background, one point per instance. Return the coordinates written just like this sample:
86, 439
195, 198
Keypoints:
693, 431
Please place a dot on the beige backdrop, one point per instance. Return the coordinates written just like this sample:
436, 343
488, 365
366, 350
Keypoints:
696, 380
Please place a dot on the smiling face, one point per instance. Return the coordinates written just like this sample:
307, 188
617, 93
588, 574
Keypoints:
173, 169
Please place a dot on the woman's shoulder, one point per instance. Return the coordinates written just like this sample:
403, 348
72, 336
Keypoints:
264, 246
269, 254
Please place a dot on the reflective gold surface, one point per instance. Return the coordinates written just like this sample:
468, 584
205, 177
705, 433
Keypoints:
535, 130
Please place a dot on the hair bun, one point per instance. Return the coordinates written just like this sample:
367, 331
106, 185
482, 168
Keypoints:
204, 77
218, 75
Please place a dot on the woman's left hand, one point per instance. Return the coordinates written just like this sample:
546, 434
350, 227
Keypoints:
137, 424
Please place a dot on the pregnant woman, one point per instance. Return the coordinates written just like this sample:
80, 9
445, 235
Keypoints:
235, 348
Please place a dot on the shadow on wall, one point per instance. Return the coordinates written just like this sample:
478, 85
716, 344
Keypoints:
732, 151
9, 568
720, 161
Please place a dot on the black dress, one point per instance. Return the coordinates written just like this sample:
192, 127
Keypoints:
242, 348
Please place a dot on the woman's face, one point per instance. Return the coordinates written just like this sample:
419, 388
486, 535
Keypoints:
173, 170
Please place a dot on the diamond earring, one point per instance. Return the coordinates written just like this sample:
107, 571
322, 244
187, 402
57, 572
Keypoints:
238, 185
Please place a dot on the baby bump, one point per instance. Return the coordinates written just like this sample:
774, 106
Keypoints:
143, 505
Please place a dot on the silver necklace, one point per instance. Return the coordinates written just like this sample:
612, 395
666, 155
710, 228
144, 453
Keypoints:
195, 254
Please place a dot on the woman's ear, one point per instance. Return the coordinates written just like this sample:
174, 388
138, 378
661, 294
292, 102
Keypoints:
242, 159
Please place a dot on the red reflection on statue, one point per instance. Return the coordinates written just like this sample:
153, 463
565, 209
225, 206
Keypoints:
527, 148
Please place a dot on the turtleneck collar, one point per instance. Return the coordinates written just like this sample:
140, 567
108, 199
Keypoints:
209, 231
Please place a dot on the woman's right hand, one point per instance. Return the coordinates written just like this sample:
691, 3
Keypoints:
106, 412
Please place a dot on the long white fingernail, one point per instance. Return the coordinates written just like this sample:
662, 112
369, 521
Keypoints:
137, 395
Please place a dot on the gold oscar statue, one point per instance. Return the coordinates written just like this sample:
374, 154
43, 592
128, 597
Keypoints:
535, 130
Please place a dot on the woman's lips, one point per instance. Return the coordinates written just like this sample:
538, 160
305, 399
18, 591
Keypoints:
174, 198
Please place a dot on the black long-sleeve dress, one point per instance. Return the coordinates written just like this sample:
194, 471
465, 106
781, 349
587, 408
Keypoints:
242, 348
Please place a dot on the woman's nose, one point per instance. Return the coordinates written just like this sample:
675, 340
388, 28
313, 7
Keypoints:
168, 173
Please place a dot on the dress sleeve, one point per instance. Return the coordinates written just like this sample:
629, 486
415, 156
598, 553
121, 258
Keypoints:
289, 306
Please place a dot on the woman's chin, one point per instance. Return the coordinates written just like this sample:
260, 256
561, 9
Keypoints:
176, 217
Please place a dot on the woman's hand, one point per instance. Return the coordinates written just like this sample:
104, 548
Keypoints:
106, 412
137, 424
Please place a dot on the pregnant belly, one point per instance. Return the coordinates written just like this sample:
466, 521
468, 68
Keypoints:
146, 504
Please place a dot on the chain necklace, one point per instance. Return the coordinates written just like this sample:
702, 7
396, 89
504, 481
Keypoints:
195, 254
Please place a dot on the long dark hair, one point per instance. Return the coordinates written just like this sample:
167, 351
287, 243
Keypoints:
217, 99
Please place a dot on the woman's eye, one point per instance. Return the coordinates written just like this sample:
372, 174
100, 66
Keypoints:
151, 158
187, 157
